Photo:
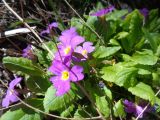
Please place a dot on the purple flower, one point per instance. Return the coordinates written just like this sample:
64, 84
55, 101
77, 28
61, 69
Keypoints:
85, 49
49, 28
103, 12
64, 75
69, 40
27, 52
130, 107
10, 95
144, 12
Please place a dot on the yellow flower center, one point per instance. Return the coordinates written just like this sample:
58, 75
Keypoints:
84, 52
65, 75
67, 50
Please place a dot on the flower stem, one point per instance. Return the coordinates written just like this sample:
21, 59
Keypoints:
84, 91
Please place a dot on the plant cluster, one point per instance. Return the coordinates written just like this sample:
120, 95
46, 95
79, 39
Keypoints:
114, 73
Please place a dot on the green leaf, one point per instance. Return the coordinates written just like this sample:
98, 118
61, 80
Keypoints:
43, 58
52, 47
156, 79
153, 21
144, 91
124, 77
23, 65
13, 115
103, 52
38, 84
108, 93
153, 39
119, 74
102, 105
76, 22
119, 109
80, 114
145, 58
116, 14
68, 111
52, 102
21, 112
30, 21
122, 35
132, 23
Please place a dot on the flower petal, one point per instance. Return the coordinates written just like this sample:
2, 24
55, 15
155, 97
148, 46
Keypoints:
88, 46
79, 49
76, 73
14, 82
139, 109
61, 86
5, 102
56, 67
76, 41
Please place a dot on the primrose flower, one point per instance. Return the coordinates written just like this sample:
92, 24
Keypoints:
103, 12
10, 95
49, 28
69, 40
144, 12
27, 52
85, 49
64, 75
130, 107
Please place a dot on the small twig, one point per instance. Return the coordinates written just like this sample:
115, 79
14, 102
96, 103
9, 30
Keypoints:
146, 107
13, 44
27, 27
10, 106
28, 42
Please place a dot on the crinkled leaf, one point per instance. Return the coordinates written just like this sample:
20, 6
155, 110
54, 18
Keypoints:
49, 57
122, 35
23, 65
132, 23
68, 111
124, 77
22, 112
119, 109
13, 115
119, 74
102, 51
153, 39
42, 58
144, 91
30, 21
80, 114
38, 84
52, 102
145, 58
108, 93
116, 14
102, 105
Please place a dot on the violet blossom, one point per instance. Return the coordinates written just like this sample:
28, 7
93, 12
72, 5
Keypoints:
103, 11
49, 28
85, 49
69, 41
144, 12
64, 75
11, 93
27, 52
131, 107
